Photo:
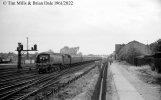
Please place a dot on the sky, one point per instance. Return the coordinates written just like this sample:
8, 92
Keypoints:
93, 25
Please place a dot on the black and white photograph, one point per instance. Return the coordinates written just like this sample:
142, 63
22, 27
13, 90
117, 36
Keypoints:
80, 49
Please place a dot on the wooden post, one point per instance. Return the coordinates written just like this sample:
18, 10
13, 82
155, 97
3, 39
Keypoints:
19, 60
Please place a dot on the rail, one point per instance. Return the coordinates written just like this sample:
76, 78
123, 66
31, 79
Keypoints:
8, 94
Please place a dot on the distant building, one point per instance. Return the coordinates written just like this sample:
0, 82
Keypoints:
10, 57
118, 47
31, 59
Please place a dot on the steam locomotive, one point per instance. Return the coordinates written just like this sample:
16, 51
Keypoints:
49, 62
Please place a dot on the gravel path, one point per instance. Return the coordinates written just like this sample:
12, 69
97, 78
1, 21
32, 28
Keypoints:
111, 92
145, 83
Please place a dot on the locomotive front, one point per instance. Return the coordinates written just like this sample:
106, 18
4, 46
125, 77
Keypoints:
42, 62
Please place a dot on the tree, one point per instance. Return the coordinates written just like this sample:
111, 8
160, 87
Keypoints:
156, 46
50, 50
80, 53
67, 50
159, 45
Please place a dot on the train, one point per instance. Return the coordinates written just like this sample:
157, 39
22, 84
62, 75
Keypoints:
50, 62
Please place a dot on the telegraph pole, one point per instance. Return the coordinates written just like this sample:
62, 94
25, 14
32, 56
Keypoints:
19, 48
27, 49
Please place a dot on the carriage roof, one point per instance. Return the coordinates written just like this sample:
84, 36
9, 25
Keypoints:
51, 53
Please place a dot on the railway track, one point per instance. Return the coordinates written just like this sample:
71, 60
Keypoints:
100, 88
52, 87
9, 91
15, 76
11, 81
22, 90
8, 74
7, 68
102, 94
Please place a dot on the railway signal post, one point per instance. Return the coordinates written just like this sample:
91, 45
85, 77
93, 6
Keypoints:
20, 49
